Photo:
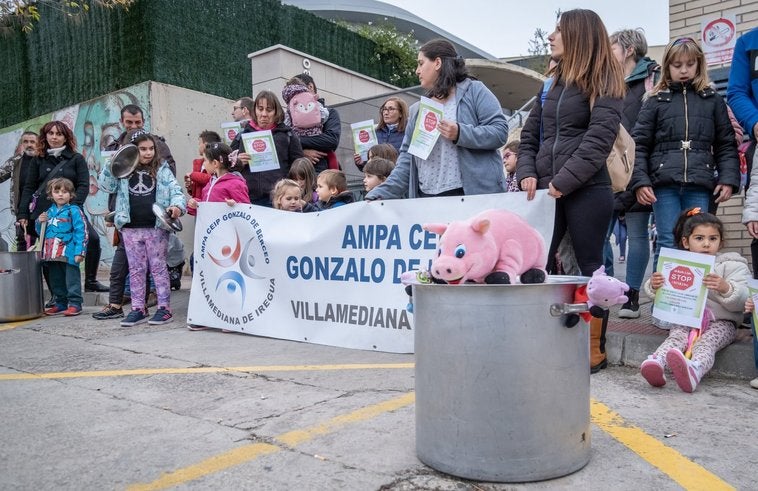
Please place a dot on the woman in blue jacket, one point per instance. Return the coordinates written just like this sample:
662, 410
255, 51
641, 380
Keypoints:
393, 118
465, 159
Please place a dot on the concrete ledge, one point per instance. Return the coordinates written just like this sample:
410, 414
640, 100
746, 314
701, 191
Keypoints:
734, 361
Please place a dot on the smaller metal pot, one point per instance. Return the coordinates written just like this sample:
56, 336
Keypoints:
21, 286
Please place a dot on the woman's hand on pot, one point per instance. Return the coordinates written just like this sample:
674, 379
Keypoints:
645, 195
529, 184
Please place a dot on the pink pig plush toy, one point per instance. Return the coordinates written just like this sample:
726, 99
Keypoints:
605, 291
495, 246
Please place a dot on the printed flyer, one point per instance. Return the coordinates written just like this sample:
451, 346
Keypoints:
681, 299
260, 146
229, 131
364, 137
426, 134
752, 285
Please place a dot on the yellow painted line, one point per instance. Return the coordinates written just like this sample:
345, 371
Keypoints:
193, 370
12, 325
250, 452
685, 472
295, 438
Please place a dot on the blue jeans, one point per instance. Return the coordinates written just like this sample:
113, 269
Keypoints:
670, 202
639, 247
607, 249
66, 283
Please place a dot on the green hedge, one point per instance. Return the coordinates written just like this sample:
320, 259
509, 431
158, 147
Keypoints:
196, 44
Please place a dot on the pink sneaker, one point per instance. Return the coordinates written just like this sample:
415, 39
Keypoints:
684, 373
652, 370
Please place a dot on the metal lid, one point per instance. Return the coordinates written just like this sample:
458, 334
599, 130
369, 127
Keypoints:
172, 224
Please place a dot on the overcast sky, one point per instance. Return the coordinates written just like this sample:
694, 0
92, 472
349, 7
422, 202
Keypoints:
504, 27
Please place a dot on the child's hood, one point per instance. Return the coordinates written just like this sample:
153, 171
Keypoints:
730, 256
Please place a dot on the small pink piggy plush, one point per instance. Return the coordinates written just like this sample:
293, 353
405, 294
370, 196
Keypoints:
495, 246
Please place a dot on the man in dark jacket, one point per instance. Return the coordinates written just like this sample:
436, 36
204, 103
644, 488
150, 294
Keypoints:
15, 169
317, 147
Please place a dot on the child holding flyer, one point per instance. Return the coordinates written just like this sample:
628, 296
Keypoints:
703, 233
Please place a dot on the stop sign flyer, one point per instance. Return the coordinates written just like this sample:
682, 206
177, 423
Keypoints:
425, 132
681, 299
364, 137
262, 150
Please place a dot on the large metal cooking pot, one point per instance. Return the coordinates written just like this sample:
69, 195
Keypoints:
21, 286
502, 385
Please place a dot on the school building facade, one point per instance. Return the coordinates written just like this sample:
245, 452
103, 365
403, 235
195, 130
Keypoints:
701, 20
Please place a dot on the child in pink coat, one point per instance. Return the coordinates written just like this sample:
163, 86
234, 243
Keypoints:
226, 185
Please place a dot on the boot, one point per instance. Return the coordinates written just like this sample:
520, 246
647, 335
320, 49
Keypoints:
631, 309
91, 263
598, 326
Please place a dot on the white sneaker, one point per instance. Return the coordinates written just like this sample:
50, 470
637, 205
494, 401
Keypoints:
754, 383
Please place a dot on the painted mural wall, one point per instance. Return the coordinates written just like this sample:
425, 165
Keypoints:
95, 124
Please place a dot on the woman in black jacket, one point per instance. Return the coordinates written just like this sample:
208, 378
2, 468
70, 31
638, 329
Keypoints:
57, 144
567, 139
268, 115
565, 142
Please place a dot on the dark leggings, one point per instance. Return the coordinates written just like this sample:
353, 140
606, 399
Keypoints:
585, 214
119, 271
92, 255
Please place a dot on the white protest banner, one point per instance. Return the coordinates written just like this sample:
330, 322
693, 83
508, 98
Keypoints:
718, 37
425, 134
682, 297
229, 131
364, 137
260, 145
332, 277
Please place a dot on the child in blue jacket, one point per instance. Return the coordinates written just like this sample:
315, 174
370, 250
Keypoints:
64, 243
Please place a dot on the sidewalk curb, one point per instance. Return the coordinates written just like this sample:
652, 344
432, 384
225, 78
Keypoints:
734, 361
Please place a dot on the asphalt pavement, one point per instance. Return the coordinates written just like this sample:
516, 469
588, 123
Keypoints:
87, 404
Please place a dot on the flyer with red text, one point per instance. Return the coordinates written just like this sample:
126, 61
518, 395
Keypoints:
681, 299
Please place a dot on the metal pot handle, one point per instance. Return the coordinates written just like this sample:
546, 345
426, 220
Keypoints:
559, 309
